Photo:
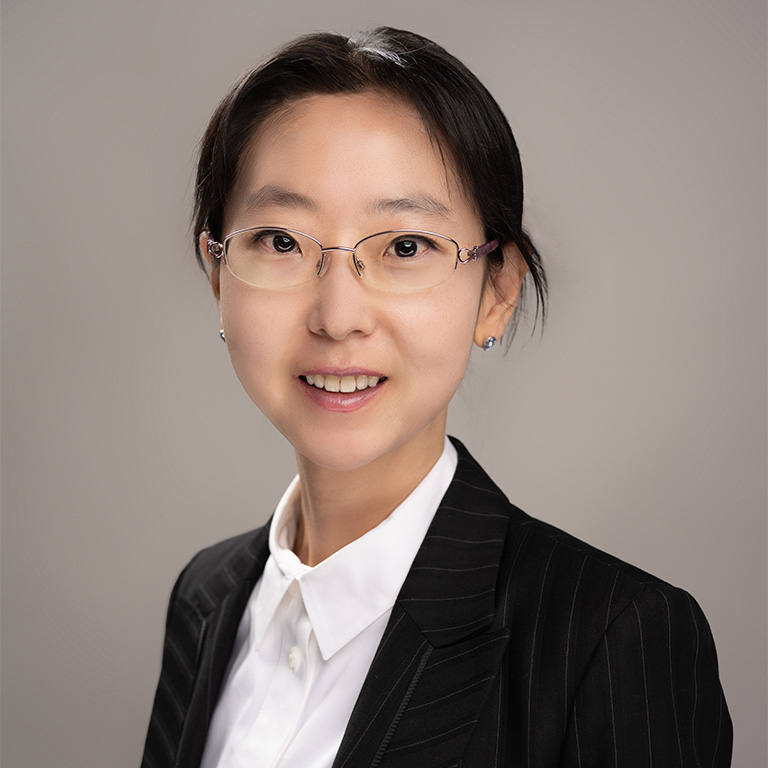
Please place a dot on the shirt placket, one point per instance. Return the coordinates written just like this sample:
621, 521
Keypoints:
289, 688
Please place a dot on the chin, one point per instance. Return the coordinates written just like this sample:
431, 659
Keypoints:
347, 450
338, 455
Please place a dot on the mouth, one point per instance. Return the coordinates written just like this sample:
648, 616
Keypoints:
342, 391
344, 384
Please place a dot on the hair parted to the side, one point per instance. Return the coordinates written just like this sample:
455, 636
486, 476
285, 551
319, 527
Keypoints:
463, 119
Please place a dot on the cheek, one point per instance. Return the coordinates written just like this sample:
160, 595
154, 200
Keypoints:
440, 339
257, 331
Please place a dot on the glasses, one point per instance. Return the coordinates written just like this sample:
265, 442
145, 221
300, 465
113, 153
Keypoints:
399, 260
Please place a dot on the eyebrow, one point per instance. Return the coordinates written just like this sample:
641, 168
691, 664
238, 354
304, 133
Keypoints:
415, 204
272, 195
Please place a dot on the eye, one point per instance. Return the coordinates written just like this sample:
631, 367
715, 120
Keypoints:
406, 248
411, 247
271, 243
282, 243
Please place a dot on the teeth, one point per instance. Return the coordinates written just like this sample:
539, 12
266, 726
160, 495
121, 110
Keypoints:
342, 383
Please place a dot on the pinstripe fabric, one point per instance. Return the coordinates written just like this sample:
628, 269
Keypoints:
204, 612
511, 644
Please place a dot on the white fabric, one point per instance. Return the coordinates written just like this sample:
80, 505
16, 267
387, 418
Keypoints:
308, 636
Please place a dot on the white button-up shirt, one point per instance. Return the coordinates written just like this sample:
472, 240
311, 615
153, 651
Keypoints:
308, 636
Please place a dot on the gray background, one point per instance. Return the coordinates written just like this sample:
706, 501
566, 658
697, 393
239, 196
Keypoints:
636, 422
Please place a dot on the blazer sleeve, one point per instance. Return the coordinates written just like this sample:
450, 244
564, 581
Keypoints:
651, 695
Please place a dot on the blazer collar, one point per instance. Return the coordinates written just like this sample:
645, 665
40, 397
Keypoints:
241, 564
458, 563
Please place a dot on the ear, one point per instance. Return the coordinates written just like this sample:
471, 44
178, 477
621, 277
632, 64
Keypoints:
214, 267
500, 296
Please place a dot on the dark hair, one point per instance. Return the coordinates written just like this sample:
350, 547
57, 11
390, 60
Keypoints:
463, 119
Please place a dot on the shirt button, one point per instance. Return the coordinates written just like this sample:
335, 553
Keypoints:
294, 657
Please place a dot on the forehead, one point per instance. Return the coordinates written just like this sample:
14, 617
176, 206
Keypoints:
343, 152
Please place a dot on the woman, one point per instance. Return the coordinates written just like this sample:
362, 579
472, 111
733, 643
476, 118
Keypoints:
359, 207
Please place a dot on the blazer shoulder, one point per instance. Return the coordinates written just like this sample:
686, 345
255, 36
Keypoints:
539, 559
216, 569
573, 574
566, 546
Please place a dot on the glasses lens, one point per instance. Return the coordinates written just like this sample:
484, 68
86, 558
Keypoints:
407, 260
272, 258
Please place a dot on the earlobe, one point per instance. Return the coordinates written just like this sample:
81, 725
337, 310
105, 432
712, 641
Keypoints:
500, 296
214, 266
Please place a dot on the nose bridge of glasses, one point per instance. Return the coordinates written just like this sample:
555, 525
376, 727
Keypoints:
356, 263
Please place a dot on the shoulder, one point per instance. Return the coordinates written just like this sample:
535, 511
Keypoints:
570, 583
633, 654
628, 658
216, 569
559, 583
565, 566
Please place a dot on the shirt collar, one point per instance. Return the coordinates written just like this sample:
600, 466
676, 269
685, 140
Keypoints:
348, 591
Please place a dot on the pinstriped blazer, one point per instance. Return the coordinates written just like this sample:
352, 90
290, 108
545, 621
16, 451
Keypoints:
510, 644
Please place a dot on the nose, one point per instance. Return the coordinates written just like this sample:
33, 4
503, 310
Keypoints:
342, 306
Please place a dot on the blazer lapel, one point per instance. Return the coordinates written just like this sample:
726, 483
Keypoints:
216, 636
199, 641
443, 645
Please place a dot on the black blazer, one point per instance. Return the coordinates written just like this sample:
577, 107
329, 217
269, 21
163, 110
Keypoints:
510, 644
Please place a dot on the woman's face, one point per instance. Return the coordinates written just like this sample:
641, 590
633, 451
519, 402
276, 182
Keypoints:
340, 168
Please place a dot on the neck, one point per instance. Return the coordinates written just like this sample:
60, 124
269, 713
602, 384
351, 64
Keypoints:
338, 507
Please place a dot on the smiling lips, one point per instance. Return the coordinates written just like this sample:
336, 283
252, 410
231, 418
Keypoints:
345, 384
342, 393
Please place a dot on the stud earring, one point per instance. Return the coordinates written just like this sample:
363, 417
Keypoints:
221, 333
489, 343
